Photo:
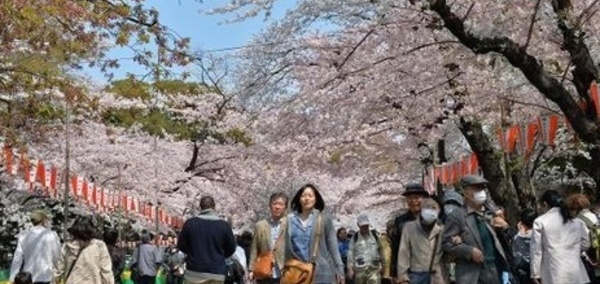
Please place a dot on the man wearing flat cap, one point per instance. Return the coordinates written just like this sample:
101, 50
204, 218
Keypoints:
480, 257
413, 194
37, 251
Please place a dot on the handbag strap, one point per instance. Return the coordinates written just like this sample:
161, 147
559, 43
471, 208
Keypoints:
317, 240
435, 246
75, 261
278, 240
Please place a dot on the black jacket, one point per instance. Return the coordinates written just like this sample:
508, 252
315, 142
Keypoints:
207, 241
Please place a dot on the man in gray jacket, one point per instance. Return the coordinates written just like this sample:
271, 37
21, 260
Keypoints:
479, 255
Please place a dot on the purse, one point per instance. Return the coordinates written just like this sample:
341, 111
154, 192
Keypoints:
263, 265
300, 272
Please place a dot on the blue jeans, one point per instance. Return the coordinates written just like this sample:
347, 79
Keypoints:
419, 277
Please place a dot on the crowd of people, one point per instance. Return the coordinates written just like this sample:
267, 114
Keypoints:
462, 237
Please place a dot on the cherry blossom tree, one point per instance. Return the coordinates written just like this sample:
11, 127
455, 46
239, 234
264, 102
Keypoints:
418, 64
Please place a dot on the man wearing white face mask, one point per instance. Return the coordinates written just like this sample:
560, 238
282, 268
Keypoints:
480, 257
420, 253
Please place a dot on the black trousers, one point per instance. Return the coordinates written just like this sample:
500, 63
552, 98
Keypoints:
146, 279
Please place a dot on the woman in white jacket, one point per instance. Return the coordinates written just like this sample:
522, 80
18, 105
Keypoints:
557, 243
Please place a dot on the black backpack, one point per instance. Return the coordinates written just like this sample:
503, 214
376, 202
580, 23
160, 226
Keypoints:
373, 232
235, 271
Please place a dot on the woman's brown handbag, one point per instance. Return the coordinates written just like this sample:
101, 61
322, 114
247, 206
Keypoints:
300, 272
297, 272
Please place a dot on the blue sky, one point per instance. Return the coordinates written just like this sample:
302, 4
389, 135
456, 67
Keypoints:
207, 32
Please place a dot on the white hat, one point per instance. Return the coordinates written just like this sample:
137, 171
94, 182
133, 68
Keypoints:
362, 220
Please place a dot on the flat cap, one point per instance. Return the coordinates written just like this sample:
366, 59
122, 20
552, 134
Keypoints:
451, 196
470, 180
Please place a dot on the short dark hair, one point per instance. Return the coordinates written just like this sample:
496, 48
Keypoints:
83, 229
319, 203
207, 202
146, 237
527, 217
340, 230
111, 237
23, 278
278, 195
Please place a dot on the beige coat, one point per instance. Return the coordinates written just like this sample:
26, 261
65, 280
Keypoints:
416, 250
261, 242
386, 255
93, 266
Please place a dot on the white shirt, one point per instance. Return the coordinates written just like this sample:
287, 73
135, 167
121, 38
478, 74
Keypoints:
240, 256
39, 249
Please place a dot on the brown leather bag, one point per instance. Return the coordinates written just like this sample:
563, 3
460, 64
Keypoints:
263, 265
300, 272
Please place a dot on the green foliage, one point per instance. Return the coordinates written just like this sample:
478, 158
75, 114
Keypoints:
155, 122
335, 157
180, 87
239, 136
131, 88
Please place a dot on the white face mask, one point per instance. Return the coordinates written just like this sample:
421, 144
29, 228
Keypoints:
429, 215
479, 197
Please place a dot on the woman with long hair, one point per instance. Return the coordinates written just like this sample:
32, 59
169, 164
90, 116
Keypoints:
557, 242
311, 237
84, 259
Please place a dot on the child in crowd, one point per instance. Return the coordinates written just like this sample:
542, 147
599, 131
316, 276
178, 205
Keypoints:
23, 278
521, 244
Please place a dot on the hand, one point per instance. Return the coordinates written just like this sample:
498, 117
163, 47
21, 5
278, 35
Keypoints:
456, 240
341, 280
477, 256
536, 280
250, 275
350, 273
520, 227
499, 222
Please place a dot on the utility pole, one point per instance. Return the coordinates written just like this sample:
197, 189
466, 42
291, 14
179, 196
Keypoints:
156, 81
67, 166
121, 211
441, 153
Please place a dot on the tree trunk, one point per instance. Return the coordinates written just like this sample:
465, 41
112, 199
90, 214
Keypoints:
490, 162
522, 183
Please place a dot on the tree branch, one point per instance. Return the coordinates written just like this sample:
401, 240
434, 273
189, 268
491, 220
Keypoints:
585, 70
530, 104
536, 163
364, 38
429, 44
526, 63
531, 24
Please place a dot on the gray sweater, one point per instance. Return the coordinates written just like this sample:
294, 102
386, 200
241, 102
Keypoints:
328, 262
